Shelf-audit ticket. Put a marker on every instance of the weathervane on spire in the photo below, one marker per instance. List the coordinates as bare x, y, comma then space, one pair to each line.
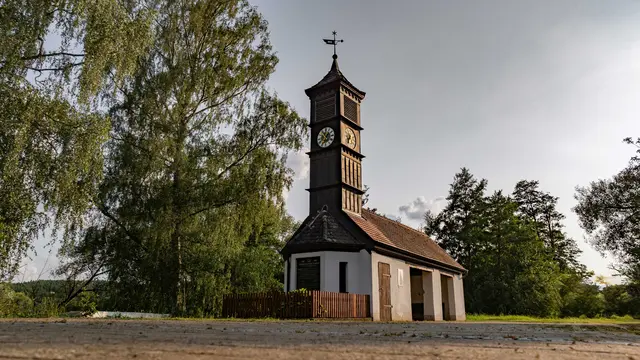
333, 42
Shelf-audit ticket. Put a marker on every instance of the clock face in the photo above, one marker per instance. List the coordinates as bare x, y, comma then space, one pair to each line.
325, 137
350, 138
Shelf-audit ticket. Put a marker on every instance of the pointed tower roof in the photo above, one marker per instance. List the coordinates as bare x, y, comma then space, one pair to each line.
335, 76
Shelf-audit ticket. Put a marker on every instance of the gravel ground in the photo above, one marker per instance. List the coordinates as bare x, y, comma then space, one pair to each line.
155, 339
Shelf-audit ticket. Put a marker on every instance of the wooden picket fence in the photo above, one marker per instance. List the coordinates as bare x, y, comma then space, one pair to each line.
297, 305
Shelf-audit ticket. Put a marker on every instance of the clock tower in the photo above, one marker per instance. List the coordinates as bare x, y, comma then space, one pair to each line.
335, 157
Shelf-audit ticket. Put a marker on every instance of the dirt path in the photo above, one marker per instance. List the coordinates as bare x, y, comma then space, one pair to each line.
153, 339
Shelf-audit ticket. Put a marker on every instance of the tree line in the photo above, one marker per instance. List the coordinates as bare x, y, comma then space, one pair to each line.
521, 261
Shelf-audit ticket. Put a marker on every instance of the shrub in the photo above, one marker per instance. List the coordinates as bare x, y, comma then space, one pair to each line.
47, 307
84, 302
14, 304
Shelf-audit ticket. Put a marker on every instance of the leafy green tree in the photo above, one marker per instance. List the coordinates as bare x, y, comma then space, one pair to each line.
622, 299
515, 275
457, 227
195, 164
509, 271
584, 300
609, 210
260, 267
14, 304
540, 209
51, 126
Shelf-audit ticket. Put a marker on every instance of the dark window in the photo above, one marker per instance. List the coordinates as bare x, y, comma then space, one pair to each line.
343, 277
308, 273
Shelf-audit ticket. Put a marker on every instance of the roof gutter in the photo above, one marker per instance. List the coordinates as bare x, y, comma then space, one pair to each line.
401, 254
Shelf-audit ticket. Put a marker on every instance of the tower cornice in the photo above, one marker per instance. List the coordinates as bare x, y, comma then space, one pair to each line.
333, 119
340, 184
343, 147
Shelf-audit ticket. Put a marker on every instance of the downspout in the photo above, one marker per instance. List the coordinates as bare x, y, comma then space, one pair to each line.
289, 274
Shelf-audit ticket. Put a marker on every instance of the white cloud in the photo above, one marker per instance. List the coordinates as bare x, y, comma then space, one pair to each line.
28, 272
299, 162
40, 263
416, 209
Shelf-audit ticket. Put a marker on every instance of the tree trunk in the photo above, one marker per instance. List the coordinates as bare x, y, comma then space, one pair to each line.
177, 286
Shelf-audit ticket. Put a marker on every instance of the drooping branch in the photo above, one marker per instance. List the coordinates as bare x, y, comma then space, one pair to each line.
207, 208
45, 55
55, 68
104, 211
75, 291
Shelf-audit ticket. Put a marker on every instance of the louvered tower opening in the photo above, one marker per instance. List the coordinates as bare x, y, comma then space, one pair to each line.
325, 108
350, 109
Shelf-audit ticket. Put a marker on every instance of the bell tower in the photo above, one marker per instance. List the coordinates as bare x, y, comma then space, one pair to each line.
335, 158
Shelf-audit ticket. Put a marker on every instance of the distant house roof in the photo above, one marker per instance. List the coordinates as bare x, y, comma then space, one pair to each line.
394, 234
322, 232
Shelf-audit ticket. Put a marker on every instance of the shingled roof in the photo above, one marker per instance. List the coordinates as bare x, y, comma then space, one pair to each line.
334, 75
322, 230
394, 234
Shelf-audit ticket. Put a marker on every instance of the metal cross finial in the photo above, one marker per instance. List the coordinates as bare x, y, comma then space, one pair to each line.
333, 42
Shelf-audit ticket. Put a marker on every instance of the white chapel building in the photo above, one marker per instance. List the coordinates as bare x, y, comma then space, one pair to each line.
343, 247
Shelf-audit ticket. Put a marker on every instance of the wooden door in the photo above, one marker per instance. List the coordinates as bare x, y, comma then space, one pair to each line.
384, 284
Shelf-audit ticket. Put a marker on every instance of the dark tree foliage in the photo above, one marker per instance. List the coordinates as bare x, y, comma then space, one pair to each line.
609, 210
518, 258
458, 227
365, 196
622, 299
539, 208
260, 267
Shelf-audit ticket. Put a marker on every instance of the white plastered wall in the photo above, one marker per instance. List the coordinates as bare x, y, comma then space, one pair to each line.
358, 270
401, 296
400, 293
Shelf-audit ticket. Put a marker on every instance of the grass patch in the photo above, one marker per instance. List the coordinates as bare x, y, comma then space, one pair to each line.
574, 320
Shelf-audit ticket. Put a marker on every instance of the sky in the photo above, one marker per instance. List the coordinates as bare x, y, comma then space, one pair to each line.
537, 90
512, 90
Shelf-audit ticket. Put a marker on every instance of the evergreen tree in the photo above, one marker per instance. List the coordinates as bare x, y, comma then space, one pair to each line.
509, 270
456, 227
539, 208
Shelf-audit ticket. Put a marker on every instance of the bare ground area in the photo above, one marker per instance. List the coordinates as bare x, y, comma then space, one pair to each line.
154, 339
